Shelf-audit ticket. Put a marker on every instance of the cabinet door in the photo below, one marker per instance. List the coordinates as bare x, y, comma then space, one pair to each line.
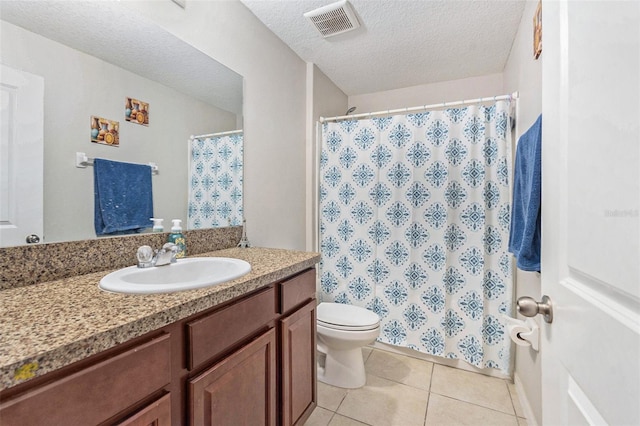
298, 342
240, 389
157, 413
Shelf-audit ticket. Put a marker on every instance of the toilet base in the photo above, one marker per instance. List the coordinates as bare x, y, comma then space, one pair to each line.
343, 368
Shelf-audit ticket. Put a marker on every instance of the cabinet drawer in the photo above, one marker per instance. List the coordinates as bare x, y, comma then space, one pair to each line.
297, 290
158, 413
213, 333
95, 393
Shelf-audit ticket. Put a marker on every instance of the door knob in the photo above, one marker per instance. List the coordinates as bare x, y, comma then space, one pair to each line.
528, 307
32, 239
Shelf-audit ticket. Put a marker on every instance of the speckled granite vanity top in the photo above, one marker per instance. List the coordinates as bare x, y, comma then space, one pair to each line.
47, 326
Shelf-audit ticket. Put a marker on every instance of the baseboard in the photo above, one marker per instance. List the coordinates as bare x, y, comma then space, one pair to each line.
524, 401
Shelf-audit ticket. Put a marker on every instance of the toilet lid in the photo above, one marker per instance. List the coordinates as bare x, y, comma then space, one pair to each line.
342, 316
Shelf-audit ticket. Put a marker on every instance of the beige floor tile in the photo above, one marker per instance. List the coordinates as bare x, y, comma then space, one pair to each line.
339, 420
515, 399
451, 412
522, 421
400, 368
386, 403
330, 397
471, 387
319, 417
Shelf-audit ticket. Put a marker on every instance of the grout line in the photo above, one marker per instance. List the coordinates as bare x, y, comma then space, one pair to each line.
401, 383
331, 418
513, 405
433, 368
426, 411
356, 420
342, 400
473, 403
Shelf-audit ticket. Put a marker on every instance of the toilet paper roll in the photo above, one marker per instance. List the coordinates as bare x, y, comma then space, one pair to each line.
515, 330
523, 333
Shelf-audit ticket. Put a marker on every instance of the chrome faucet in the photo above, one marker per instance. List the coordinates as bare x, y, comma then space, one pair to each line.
147, 257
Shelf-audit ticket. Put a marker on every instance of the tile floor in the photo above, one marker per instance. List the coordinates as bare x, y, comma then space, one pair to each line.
405, 391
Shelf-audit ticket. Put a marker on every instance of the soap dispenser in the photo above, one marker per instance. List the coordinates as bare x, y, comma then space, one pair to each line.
177, 238
157, 224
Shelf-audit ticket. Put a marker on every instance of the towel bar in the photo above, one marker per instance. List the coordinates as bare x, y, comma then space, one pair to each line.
82, 161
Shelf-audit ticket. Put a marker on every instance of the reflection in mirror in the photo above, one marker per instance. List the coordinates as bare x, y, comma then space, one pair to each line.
91, 71
215, 180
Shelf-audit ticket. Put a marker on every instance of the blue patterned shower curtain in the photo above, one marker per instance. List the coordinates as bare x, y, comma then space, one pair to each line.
215, 181
414, 223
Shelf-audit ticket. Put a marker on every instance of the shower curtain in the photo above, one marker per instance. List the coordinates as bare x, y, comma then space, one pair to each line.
414, 222
215, 181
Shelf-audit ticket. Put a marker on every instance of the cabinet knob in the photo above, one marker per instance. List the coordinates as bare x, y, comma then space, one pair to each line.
32, 239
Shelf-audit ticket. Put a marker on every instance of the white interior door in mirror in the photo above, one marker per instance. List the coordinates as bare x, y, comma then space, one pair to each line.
21, 154
590, 219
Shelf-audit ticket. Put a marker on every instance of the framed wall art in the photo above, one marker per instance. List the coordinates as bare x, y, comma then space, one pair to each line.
537, 31
104, 131
136, 111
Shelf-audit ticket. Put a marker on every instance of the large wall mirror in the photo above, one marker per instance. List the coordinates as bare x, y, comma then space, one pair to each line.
92, 57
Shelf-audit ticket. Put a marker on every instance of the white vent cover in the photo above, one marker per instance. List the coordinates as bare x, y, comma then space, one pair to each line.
335, 18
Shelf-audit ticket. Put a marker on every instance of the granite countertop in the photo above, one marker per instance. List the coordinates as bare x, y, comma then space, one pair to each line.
49, 325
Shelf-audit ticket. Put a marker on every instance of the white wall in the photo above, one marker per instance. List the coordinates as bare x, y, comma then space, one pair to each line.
426, 94
274, 109
324, 99
78, 86
524, 74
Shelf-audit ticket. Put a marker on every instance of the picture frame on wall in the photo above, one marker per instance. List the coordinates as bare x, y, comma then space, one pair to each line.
105, 131
537, 31
136, 111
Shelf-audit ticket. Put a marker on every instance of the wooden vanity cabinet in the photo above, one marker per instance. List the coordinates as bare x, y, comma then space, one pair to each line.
270, 380
298, 389
297, 333
95, 393
250, 361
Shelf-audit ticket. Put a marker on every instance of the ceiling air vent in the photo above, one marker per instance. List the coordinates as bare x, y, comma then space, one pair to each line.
335, 18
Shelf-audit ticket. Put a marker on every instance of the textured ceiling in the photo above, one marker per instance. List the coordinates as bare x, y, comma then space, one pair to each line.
130, 42
400, 43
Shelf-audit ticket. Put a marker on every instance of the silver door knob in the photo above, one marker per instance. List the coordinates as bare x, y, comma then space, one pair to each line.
528, 307
32, 239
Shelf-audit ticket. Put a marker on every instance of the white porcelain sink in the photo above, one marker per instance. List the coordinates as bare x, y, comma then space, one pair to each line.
185, 274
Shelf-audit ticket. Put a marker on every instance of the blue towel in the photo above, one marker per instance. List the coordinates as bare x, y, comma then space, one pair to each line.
123, 197
524, 238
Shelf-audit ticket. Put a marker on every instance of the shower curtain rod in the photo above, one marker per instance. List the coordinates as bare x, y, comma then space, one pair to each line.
231, 132
514, 95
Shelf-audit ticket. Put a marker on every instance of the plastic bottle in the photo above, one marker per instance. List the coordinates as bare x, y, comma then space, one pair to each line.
177, 238
157, 225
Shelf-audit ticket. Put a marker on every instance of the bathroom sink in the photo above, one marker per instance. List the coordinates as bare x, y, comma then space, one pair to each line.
185, 274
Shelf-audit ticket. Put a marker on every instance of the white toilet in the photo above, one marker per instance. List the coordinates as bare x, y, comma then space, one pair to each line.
342, 332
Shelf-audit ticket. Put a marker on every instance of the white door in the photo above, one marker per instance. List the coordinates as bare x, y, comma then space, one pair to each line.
21, 154
591, 202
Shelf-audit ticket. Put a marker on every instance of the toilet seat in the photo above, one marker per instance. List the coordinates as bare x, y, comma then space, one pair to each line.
339, 316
